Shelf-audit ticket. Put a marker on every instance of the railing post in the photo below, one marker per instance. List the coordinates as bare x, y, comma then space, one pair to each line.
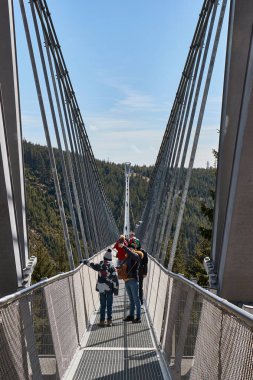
28, 329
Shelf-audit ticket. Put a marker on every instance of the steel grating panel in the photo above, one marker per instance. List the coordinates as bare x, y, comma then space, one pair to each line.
119, 365
101, 365
114, 336
143, 365
107, 337
123, 351
120, 334
138, 335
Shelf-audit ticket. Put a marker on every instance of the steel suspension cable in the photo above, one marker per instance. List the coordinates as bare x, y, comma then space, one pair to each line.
71, 95
197, 38
178, 178
79, 166
47, 134
179, 111
198, 35
196, 137
69, 161
62, 159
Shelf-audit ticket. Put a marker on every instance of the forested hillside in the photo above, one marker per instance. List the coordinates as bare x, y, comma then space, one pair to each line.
45, 231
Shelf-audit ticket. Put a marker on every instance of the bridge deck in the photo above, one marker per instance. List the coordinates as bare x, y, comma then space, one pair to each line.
123, 351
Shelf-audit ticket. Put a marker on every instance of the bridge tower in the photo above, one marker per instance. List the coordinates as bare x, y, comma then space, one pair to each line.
13, 231
127, 218
233, 228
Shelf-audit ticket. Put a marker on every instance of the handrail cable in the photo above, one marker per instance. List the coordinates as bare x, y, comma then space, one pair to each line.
223, 303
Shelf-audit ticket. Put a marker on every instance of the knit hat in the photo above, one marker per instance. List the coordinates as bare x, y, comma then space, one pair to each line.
108, 255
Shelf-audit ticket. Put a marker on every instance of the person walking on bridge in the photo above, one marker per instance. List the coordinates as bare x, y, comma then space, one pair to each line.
120, 251
132, 262
135, 243
107, 285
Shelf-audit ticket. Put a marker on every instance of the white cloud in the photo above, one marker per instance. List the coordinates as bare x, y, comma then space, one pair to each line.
136, 101
133, 100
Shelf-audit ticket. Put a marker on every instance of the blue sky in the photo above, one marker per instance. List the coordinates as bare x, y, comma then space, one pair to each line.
125, 60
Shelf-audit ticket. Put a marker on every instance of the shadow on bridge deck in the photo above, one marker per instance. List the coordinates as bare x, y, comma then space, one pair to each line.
123, 351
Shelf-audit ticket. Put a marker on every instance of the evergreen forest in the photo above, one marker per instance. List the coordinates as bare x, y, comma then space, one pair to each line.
44, 225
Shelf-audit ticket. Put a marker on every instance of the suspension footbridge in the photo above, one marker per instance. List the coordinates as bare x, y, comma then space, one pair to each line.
49, 330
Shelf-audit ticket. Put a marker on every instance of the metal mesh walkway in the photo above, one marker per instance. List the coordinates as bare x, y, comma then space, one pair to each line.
123, 351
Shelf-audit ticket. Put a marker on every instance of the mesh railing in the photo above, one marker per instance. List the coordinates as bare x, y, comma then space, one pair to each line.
42, 327
202, 336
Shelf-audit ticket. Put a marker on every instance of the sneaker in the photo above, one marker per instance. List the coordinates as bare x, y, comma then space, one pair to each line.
109, 322
102, 323
136, 320
128, 319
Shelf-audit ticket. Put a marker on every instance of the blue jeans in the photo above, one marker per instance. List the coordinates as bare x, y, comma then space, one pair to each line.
132, 288
106, 300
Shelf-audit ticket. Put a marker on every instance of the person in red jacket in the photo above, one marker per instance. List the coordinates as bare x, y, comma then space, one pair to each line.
120, 251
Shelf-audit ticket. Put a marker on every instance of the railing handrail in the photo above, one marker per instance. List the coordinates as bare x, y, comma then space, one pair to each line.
218, 301
4, 301
213, 298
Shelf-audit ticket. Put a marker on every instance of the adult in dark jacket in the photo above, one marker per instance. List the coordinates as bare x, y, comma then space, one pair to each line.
136, 244
132, 262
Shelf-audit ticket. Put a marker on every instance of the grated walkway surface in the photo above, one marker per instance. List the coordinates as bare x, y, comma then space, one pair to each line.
123, 351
